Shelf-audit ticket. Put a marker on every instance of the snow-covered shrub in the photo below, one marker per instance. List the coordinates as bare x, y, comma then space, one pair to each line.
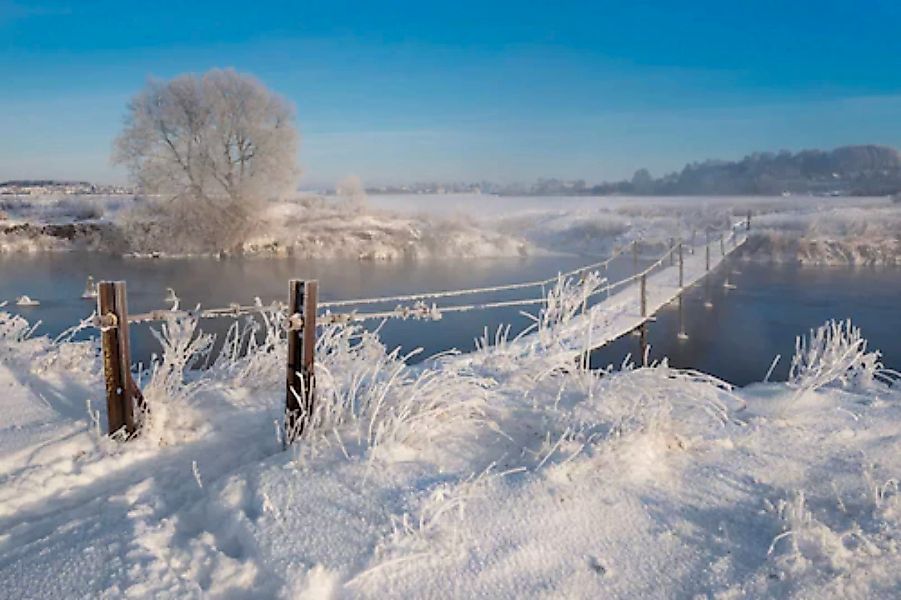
835, 353
169, 415
14, 330
370, 399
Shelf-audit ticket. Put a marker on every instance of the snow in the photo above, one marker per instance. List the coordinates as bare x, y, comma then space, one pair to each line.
813, 230
818, 230
505, 472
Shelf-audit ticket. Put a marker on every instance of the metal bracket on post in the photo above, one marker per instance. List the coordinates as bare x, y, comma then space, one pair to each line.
122, 393
300, 390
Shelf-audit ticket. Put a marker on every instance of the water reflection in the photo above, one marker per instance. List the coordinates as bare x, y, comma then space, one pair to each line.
735, 339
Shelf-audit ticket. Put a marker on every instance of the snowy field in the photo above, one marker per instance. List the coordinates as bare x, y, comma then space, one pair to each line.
813, 230
508, 472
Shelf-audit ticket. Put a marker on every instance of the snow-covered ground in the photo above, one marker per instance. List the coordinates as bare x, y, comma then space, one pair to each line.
308, 226
796, 228
818, 230
508, 472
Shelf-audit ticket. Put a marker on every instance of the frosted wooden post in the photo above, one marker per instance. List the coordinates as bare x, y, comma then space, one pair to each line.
643, 343
301, 377
644, 295
122, 394
635, 257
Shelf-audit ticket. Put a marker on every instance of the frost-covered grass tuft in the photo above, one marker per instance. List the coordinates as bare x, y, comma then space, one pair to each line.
835, 354
369, 402
254, 349
171, 388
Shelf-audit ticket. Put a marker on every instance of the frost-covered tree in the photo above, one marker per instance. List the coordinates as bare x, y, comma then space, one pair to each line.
208, 151
351, 188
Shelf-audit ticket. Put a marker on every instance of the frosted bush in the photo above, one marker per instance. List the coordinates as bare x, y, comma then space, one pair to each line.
835, 353
369, 399
565, 301
169, 416
13, 328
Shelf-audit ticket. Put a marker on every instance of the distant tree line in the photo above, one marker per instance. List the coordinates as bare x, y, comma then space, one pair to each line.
855, 170
848, 170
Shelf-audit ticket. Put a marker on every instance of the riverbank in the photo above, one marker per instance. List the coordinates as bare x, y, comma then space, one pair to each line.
498, 473
809, 230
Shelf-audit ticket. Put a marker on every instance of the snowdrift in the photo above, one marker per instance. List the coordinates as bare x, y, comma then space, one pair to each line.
501, 473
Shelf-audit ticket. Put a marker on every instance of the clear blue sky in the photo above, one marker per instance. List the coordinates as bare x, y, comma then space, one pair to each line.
507, 91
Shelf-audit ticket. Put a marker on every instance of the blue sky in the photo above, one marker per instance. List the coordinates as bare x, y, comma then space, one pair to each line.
507, 91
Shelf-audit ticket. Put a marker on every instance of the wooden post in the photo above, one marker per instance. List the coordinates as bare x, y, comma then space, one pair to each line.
722, 246
681, 270
644, 296
122, 394
691, 247
672, 246
643, 343
748, 222
635, 257
301, 377
681, 335
708, 255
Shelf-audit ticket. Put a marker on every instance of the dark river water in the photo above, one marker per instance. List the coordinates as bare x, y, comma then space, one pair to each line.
736, 339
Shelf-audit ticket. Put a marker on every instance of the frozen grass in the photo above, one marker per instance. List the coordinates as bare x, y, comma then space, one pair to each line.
511, 471
836, 353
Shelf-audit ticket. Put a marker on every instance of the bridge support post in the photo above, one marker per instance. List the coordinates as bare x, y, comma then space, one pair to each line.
643, 343
301, 377
644, 296
635, 257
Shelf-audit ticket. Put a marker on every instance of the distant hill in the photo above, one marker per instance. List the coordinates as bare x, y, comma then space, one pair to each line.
851, 170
